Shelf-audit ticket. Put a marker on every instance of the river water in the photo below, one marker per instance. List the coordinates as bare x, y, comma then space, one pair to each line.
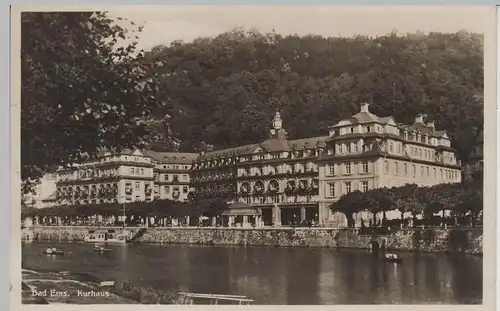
279, 276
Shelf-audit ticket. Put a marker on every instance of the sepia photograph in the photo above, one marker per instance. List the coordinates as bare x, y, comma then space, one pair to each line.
254, 155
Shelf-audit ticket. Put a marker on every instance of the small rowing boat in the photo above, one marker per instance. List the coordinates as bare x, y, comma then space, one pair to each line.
54, 252
101, 248
391, 257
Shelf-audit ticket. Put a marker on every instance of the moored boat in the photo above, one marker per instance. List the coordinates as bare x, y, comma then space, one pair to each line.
53, 251
106, 236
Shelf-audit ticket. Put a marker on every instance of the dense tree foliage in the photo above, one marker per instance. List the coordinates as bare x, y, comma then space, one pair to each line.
82, 89
463, 200
224, 90
160, 208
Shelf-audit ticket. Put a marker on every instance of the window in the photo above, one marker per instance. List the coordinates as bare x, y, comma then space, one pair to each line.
348, 187
364, 186
137, 185
427, 169
175, 178
421, 171
275, 155
184, 177
355, 148
184, 189
167, 189
390, 147
352, 129
365, 166
348, 168
441, 172
332, 169
132, 171
142, 171
396, 168
155, 176
386, 167
331, 190
368, 129
406, 169
414, 170
157, 189
348, 146
165, 177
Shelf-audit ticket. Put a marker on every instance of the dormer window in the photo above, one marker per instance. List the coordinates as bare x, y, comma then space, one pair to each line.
352, 129
368, 129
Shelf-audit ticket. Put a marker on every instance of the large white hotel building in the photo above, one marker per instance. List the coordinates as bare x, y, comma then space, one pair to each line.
284, 179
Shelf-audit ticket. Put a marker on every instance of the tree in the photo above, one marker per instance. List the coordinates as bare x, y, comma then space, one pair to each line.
350, 204
82, 90
404, 198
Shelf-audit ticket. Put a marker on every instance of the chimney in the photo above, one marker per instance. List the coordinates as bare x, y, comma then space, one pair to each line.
419, 119
430, 125
364, 107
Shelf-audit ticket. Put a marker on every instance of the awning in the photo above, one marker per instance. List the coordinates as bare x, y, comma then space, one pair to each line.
242, 212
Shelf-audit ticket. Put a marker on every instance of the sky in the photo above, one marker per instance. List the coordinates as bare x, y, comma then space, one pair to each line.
164, 24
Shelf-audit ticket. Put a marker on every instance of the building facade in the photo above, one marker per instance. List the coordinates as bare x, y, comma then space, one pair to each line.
296, 180
277, 176
366, 152
128, 176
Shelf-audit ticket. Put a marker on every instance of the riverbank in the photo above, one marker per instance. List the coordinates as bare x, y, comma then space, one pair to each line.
73, 288
454, 240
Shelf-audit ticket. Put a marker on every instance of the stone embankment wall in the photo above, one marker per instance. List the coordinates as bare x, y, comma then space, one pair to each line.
426, 240
58, 233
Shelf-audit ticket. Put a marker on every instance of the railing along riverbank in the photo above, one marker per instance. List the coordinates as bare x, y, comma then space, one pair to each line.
455, 240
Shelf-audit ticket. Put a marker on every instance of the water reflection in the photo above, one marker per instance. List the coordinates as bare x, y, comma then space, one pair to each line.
278, 275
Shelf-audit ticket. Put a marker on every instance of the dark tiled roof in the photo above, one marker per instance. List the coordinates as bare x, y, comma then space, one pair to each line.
236, 205
171, 157
270, 145
311, 142
275, 145
366, 117
229, 151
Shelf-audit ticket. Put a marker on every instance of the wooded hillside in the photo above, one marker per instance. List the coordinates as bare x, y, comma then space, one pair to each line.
224, 90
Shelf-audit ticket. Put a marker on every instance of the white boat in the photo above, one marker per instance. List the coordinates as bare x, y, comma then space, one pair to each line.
106, 236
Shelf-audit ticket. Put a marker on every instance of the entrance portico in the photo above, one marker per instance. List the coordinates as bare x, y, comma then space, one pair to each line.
242, 215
